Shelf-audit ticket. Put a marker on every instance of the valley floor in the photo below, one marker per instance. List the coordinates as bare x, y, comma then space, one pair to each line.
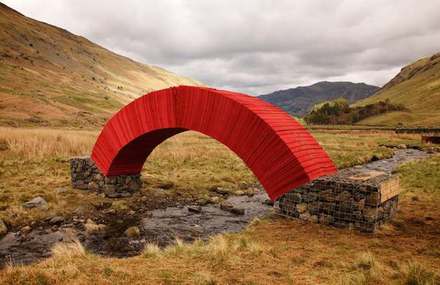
273, 250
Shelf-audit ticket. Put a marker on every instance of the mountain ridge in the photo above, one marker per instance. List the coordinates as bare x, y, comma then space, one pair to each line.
300, 100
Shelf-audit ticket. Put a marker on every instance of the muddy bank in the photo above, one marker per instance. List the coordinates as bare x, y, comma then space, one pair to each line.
157, 222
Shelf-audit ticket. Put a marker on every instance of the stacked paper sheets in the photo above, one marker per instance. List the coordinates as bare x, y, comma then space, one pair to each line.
281, 152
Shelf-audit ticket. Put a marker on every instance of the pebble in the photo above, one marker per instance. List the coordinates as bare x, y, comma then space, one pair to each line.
231, 208
25, 230
220, 190
92, 228
132, 232
194, 209
37, 202
56, 220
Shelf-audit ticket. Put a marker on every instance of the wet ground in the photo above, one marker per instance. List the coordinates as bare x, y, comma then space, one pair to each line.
161, 226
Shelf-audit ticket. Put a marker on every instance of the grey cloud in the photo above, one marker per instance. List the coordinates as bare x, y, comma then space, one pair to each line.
256, 46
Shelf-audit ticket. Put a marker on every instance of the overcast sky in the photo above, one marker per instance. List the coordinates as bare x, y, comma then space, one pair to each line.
256, 46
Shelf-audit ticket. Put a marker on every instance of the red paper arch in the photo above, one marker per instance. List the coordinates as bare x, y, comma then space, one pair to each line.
280, 152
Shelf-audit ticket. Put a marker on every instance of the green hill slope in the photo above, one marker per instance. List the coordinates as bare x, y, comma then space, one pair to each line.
417, 87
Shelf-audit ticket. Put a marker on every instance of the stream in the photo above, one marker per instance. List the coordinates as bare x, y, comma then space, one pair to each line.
160, 226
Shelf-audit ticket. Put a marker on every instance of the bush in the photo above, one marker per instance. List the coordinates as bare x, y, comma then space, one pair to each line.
339, 112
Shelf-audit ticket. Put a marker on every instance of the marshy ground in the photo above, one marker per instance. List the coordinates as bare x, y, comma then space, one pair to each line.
187, 170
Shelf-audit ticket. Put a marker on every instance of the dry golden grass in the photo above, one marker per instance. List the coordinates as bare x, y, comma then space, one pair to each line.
34, 162
41, 143
271, 251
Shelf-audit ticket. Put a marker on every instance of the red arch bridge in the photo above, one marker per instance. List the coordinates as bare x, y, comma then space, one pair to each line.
280, 152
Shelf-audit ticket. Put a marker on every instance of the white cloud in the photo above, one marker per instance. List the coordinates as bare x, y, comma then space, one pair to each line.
256, 46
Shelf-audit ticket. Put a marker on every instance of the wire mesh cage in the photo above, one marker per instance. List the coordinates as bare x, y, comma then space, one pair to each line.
355, 199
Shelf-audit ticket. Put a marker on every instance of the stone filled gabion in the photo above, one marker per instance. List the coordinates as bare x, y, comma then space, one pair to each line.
355, 199
85, 175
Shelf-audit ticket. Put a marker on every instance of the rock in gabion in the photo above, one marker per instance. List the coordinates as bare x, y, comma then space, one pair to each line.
355, 198
85, 175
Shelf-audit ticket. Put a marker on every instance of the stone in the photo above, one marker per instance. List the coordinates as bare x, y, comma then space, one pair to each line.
133, 232
202, 201
305, 216
3, 228
85, 175
360, 204
144, 199
238, 211
301, 208
194, 209
313, 219
310, 197
232, 209
220, 190
370, 214
214, 200
372, 199
268, 202
226, 206
325, 219
343, 196
134, 186
239, 193
327, 195
56, 220
37, 202
92, 185
25, 230
93, 228
401, 146
314, 208
296, 197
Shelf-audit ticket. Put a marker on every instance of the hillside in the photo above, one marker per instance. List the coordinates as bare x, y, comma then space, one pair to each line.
417, 87
49, 76
298, 101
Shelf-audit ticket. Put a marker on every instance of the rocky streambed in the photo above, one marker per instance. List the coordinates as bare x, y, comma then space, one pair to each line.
125, 234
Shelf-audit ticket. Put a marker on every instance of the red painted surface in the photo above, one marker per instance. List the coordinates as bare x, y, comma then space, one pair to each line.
280, 152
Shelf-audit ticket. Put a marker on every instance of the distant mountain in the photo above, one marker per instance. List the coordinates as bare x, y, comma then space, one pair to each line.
49, 76
300, 100
417, 87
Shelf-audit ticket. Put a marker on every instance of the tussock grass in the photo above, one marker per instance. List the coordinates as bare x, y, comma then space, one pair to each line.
367, 270
42, 143
416, 274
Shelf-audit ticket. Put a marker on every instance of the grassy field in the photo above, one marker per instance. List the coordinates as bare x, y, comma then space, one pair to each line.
271, 251
34, 162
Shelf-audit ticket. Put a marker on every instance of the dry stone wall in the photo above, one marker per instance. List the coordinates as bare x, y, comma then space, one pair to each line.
85, 175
